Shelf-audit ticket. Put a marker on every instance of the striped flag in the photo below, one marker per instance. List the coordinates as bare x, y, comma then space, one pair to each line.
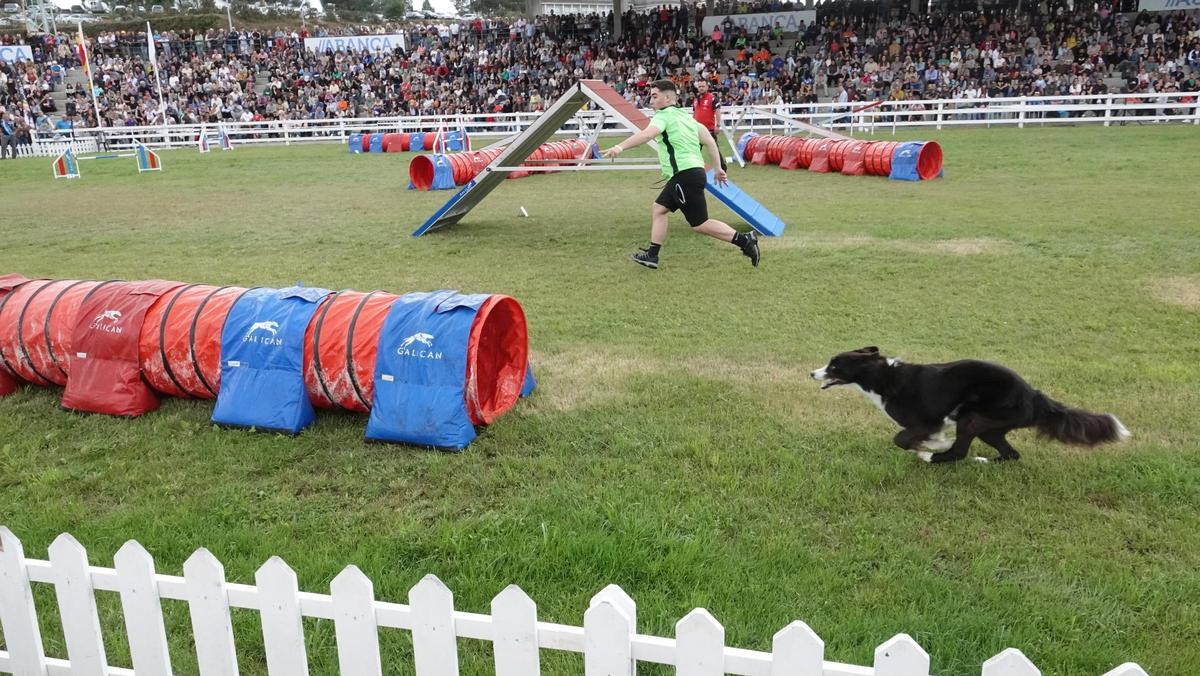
150, 48
81, 47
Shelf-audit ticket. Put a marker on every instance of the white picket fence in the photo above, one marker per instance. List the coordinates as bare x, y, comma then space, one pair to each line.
79, 146
608, 638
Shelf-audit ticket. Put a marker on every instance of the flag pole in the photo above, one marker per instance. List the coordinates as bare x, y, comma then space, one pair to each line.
153, 53
87, 69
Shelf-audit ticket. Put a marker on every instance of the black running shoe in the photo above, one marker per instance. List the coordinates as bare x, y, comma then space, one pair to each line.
643, 257
750, 247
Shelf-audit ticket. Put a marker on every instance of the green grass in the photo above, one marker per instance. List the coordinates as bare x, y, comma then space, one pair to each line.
675, 446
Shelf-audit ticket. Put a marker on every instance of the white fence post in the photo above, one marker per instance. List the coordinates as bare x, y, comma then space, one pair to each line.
795, 650
515, 641
354, 623
208, 603
435, 647
18, 616
1127, 669
699, 645
142, 609
282, 626
1021, 114
608, 635
77, 607
1011, 662
901, 656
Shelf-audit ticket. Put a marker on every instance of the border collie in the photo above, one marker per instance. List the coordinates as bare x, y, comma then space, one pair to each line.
977, 399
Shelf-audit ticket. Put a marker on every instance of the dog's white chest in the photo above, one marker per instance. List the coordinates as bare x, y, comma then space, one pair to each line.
875, 399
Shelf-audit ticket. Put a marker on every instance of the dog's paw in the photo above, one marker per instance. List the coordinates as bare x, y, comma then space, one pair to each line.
982, 460
937, 443
924, 455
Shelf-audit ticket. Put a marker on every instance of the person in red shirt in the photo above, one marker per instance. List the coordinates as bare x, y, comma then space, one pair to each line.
706, 111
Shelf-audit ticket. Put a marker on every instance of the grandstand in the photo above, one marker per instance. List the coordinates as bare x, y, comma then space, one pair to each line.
519, 65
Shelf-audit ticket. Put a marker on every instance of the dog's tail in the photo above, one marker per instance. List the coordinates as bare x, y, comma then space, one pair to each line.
1074, 426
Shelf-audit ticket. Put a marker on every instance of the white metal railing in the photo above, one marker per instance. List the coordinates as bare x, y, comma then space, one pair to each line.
891, 116
608, 638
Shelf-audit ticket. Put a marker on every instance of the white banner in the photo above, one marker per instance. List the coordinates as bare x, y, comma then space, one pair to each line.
1165, 5
10, 53
355, 43
789, 20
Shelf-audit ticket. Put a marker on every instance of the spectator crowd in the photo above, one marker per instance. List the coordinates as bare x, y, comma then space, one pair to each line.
851, 52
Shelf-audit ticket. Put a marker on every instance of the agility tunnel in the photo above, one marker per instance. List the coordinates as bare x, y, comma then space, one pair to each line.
898, 160
428, 368
399, 142
449, 170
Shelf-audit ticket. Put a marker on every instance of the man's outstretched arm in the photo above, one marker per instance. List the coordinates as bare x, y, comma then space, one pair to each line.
643, 136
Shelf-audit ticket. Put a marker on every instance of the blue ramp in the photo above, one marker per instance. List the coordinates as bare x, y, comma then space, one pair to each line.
758, 216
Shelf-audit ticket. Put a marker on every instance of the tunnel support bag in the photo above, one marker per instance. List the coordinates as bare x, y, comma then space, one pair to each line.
262, 360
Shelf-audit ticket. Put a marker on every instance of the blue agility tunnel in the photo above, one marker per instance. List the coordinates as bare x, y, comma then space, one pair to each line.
434, 349
262, 360
355, 144
916, 161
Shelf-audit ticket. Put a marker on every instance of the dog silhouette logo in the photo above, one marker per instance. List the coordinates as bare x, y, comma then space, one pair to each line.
109, 315
425, 339
268, 326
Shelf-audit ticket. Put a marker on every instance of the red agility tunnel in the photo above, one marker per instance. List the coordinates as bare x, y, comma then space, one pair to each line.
850, 157
116, 346
395, 143
423, 170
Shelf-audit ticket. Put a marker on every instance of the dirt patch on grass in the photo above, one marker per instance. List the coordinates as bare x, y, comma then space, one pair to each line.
577, 379
764, 374
1183, 291
957, 246
962, 247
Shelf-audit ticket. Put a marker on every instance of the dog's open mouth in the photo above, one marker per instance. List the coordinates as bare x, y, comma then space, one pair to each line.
832, 382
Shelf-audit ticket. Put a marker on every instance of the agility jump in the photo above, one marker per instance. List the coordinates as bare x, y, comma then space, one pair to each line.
66, 165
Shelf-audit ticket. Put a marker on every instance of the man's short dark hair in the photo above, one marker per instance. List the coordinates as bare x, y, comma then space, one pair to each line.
664, 86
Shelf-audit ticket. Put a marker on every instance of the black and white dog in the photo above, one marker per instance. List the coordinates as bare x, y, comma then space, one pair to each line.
977, 399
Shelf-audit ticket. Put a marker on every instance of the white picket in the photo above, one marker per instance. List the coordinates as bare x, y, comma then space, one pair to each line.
142, 608
77, 607
796, 650
354, 623
435, 647
699, 645
607, 641
901, 656
282, 626
18, 616
1127, 669
208, 604
617, 596
1011, 662
515, 643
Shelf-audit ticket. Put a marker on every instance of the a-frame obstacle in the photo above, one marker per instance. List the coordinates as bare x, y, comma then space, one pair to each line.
547, 124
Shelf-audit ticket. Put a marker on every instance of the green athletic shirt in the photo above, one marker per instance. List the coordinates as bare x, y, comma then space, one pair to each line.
679, 143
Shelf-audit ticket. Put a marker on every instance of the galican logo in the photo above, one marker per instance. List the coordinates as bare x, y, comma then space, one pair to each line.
107, 321
266, 327
426, 339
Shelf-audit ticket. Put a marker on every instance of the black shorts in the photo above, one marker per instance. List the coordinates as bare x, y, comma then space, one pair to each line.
685, 192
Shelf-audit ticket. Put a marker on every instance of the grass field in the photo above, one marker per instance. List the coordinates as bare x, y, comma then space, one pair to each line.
675, 446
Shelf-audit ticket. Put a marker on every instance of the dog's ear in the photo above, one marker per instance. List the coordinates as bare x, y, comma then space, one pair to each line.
868, 350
